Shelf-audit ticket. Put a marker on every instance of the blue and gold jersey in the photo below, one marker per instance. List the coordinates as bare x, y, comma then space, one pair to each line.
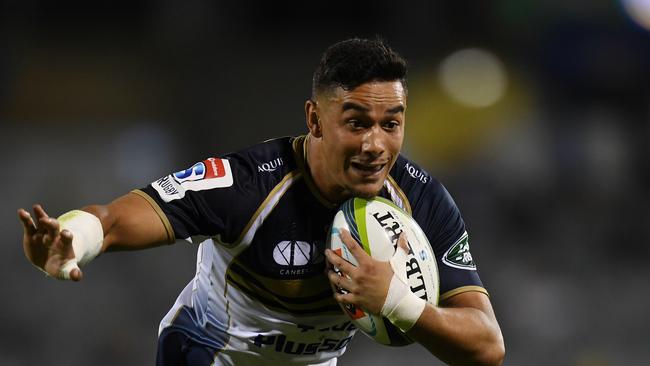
260, 294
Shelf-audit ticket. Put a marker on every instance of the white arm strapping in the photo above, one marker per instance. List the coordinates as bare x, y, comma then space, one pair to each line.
402, 307
87, 238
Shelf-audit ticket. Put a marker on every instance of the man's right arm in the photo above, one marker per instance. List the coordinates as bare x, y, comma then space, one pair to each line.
128, 223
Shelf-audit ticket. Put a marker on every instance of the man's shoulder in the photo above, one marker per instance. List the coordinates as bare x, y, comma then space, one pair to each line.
267, 150
266, 162
411, 176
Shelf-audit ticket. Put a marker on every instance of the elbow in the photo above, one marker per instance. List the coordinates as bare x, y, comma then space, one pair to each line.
494, 354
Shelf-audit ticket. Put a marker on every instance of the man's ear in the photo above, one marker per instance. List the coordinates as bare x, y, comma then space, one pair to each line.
313, 121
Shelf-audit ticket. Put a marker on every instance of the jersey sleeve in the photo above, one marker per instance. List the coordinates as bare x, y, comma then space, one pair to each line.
439, 217
450, 241
214, 197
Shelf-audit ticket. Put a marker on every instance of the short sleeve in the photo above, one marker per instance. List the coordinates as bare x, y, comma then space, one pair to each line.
213, 197
437, 214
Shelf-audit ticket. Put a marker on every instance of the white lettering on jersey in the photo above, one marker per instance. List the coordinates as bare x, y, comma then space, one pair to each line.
416, 173
270, 166
207, 174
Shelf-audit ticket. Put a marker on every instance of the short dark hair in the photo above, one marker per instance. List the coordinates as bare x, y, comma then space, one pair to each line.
350, 63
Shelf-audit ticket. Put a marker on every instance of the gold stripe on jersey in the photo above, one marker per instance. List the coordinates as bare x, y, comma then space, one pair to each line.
317, 303
228, 335
306, 288
306, 296
265, 208
460, 290
168, 226
396, 194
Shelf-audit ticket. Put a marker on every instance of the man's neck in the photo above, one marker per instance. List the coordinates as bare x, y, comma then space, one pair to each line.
315, 164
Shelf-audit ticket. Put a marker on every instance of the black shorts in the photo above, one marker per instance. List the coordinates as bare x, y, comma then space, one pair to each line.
175, 348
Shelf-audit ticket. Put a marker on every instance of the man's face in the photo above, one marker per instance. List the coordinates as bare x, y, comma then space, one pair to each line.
362, 134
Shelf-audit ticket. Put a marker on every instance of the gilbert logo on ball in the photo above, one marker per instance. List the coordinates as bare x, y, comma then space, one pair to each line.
376, 225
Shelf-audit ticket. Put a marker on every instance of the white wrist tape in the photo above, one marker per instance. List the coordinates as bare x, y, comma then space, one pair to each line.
402, 307
87, 238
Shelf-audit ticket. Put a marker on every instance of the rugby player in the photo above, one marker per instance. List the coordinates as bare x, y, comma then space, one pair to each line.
260, 216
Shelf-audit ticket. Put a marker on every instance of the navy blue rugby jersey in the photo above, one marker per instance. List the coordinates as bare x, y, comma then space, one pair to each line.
260, 284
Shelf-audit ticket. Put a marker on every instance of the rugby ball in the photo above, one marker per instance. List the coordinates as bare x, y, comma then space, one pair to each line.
376, 224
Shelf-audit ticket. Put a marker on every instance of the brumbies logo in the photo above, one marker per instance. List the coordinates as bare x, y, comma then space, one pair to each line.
295, 256
207, 174
458, 256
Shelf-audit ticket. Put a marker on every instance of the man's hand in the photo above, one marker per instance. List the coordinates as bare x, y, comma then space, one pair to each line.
45, 245
367, 284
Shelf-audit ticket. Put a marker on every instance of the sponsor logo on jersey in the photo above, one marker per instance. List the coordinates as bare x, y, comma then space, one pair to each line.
416, 173
309, 341
207, 174
458, 255
296, 256
270, 166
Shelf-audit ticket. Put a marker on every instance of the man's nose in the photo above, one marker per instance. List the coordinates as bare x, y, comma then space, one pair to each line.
373, 141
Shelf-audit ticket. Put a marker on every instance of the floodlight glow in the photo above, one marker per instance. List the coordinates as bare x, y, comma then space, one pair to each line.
639, 11
473, 77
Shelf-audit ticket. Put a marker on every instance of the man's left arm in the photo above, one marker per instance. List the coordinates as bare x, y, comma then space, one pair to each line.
463, 330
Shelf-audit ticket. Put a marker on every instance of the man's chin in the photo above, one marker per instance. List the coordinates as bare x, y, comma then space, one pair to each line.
366, 192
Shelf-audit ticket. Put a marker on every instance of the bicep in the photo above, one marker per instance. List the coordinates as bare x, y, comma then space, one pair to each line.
471, 299
130, 222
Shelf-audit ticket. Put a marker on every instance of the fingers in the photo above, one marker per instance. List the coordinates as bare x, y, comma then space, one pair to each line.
403, 242
344, 288
69, 271
398, 260
50, 227
346, 298
76, 275
340, 263
49, 224
66, 238
340, 281
27, 221
39, 211
354, 247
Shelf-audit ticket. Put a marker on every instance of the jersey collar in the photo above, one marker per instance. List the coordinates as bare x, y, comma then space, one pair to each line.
300, 154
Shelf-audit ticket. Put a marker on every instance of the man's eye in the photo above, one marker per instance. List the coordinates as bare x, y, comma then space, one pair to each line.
355, 123
391, 125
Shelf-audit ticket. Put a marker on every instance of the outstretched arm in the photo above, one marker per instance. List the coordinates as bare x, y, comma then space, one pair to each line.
463, 330
128, 223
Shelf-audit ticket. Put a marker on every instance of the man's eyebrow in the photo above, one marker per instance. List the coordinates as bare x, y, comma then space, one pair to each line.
395, 110
357, 107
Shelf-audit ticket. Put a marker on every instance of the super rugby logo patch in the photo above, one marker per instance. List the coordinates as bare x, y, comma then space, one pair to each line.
458, 255
207, 174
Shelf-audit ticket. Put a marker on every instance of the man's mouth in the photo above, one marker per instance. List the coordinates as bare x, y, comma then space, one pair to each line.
368, 169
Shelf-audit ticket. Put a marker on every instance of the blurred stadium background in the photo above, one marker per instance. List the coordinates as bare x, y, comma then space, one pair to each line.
535, 114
